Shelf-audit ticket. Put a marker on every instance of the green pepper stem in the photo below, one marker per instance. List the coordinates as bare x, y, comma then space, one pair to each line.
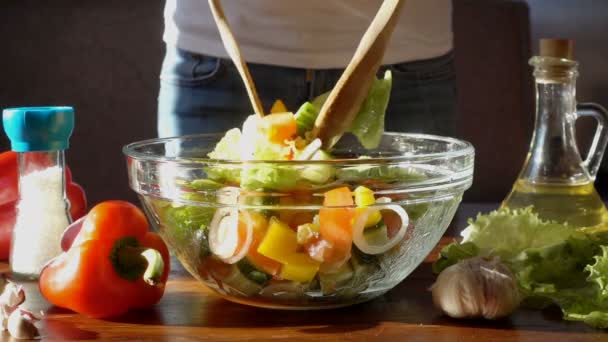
155, 268
140, 260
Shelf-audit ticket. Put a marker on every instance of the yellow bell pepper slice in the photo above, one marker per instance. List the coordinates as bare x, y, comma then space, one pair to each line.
279, 127
279, 243
299, 267
278, 107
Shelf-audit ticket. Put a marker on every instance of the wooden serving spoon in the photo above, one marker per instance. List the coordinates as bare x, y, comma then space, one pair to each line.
232, 47
345, 99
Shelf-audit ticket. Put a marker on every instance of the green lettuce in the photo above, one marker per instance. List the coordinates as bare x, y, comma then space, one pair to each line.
598, 272
189, 224
390, 173
588, 304
227, 148
453, 253
269, 177
506, 233
368, 125
546, 270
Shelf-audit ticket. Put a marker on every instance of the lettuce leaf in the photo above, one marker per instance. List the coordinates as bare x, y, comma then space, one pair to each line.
588, 304
368, 125
453, 253
390, 173
506, 233
598, 272
547, 270
269, 177
226, 148
588, 312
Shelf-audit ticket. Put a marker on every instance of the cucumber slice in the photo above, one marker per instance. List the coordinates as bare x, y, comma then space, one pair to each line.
364, 267
305, 117
319, 174
362, 262
199, 184
333, 282
376, 235
252, 273
239, 282
415, 211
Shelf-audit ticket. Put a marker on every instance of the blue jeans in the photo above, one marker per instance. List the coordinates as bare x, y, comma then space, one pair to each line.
203, 94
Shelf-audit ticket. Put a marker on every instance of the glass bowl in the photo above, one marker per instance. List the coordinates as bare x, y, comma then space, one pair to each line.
302, 234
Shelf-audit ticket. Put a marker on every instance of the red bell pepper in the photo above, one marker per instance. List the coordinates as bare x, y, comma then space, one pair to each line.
113, 265
9, 195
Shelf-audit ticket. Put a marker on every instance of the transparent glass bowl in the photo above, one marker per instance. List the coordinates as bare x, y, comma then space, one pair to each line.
185, 195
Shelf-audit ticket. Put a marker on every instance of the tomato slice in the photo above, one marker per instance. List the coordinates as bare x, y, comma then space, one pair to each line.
335, 224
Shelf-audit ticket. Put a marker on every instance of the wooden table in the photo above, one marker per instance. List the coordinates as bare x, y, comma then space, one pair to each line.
189, 312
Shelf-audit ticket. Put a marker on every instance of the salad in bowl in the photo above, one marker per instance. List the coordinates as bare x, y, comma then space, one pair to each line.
264, 215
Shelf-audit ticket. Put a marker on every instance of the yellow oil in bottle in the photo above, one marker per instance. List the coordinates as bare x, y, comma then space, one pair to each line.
578, 204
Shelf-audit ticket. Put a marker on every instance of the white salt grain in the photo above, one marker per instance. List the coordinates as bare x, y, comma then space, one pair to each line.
41, 220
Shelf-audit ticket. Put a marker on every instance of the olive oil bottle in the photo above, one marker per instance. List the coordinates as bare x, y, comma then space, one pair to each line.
555, 180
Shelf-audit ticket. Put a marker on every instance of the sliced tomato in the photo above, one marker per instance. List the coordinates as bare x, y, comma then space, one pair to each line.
335, 224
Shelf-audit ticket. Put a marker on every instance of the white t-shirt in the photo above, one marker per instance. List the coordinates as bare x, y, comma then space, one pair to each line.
308, 33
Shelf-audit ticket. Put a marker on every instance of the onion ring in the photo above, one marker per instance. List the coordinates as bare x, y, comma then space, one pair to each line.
359, 226
224, 237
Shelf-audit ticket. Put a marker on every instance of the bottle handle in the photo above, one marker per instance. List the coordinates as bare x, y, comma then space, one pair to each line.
600, 139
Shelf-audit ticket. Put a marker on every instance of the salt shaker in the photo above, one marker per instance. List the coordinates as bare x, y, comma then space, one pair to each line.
40, 135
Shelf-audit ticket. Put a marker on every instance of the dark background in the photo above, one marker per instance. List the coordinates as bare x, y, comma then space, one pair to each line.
103, 58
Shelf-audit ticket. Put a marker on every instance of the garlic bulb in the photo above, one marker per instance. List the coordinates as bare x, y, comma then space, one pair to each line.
476, 287
21, 325
12, 296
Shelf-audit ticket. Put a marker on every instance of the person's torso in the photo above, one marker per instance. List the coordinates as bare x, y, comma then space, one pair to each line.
311, 33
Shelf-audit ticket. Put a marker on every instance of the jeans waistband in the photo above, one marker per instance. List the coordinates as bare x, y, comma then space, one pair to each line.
413, 66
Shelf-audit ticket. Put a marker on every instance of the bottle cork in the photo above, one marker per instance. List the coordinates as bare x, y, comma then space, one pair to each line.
557, 47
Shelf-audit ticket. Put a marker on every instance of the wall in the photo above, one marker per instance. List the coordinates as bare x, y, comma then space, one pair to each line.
585, 21
102, 57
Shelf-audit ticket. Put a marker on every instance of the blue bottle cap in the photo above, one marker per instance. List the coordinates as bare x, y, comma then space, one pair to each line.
38, 128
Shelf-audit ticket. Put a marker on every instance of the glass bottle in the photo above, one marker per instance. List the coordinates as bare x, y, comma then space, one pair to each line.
554, 178
39, 135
